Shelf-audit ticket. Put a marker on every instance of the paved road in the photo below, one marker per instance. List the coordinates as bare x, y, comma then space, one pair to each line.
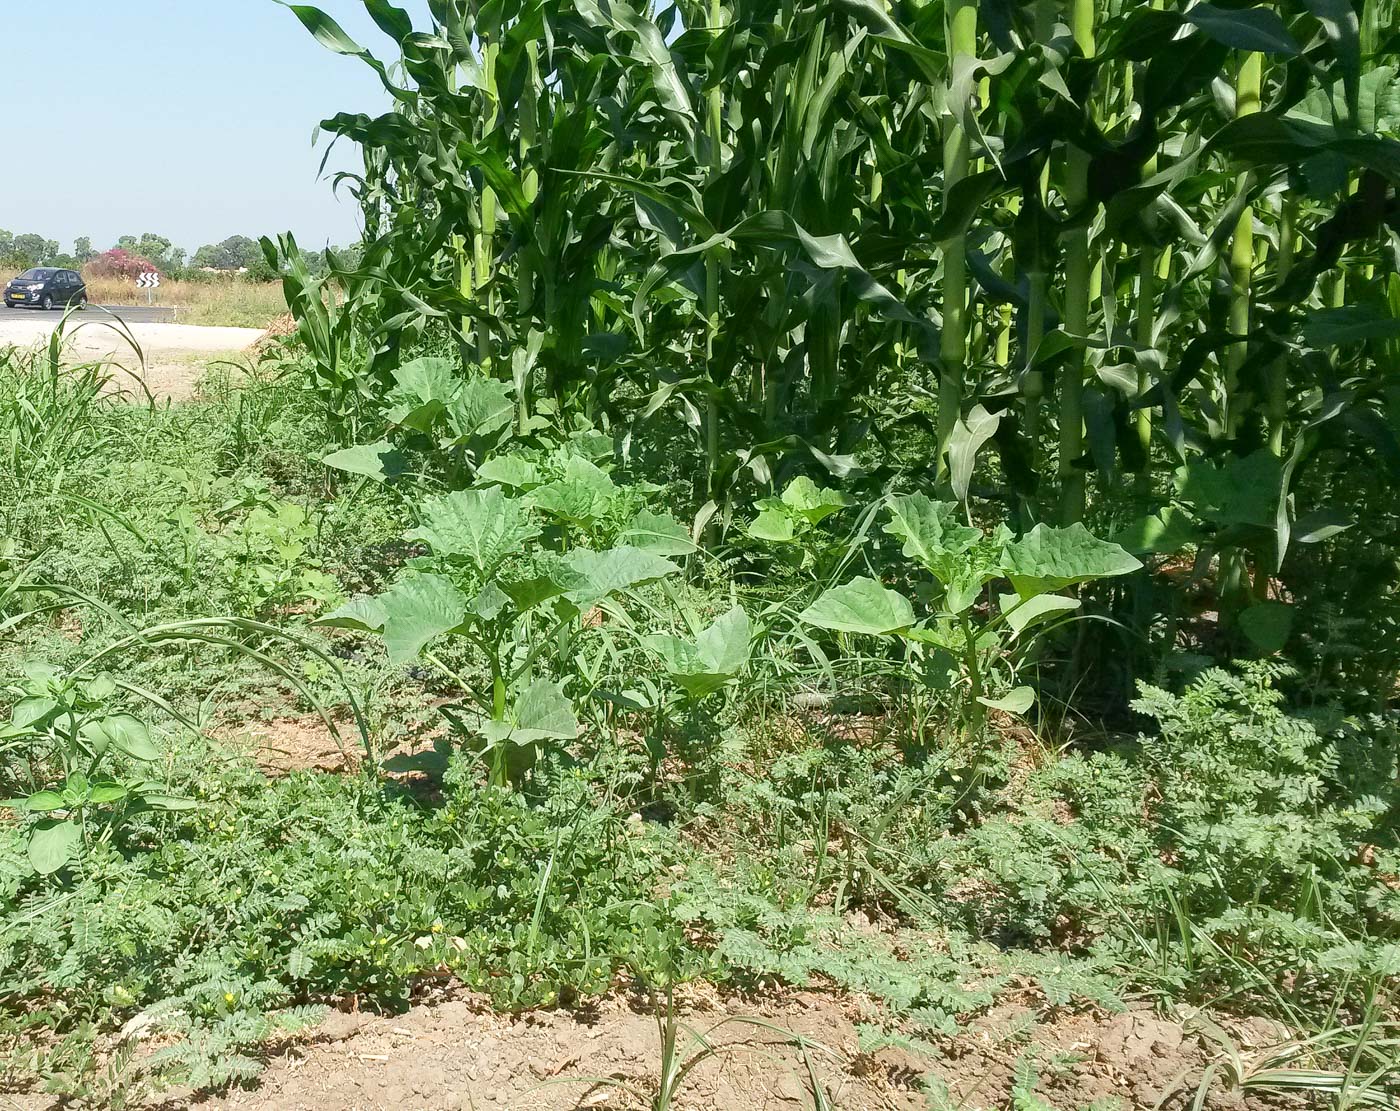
132, 314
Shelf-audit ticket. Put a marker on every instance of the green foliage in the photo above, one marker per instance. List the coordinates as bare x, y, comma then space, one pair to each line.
80, 759
963, 561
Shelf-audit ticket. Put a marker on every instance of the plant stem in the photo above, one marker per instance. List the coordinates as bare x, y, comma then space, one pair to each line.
962, 48
1078, 281
1247, 90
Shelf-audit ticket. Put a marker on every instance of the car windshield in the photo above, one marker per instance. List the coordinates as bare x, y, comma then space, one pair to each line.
39, 274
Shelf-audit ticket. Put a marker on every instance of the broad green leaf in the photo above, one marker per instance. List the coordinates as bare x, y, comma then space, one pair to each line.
40, 802
860, 606
1167, 530
538, 713
658, 533
125, 733
1017, 702
381, 462
365, 614
1051, 559
593, 576
1238, 491
1267, 625
774, 523
418, 608
482, 407
932, 533
1021, 615
481, 527
53, 842
509, 470
804, 498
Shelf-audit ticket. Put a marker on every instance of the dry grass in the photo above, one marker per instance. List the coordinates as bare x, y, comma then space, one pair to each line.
229, 301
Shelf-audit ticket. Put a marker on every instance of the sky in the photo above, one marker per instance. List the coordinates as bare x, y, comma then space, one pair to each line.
192, 119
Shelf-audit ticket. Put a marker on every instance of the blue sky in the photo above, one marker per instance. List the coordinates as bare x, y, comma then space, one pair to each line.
189, 118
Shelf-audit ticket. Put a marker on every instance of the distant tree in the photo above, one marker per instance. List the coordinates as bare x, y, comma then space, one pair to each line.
82, 250
156, 248
32, 250
237, 252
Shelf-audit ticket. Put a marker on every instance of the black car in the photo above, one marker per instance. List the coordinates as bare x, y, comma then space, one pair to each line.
44, 287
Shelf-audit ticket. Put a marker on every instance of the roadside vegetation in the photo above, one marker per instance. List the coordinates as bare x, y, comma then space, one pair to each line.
890, 501
221, 301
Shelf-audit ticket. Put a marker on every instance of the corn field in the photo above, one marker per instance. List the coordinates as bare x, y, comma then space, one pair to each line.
1135, 265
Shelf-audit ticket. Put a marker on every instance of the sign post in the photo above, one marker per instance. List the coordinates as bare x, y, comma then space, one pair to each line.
148, 280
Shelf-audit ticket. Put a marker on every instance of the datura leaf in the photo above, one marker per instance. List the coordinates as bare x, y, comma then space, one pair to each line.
657, 533
773, 523
482, 407
381, 462
418, 608
1051, 559
860, 606
1018, 701
364, 614
480, 527
812, 503
1267, 625
541, 712
592, 576
1239, 491
509, 470
717, 656
932, 533
1023, 614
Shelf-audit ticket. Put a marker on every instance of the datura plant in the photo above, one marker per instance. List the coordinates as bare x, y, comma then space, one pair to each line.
518, 605
976, 641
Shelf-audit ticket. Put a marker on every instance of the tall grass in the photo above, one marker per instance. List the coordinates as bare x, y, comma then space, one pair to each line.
231, 302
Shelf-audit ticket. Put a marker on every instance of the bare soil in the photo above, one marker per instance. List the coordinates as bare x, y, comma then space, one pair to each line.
459, 1054
171, 360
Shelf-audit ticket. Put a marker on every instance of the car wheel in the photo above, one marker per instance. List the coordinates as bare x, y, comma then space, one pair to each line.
47, 302
80, 300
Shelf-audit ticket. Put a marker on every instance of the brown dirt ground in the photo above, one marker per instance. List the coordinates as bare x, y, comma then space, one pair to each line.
458, 1054
455, 1052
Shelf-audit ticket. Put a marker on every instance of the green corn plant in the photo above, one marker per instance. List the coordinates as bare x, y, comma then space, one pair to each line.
834, 239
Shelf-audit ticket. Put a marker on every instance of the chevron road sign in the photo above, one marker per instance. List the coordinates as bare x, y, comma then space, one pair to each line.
148, 280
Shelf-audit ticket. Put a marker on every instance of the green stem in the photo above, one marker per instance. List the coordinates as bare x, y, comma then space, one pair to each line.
1247, 91
1079, 277
1277, 400
962, 46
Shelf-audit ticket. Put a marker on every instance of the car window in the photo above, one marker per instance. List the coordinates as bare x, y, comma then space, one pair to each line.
38, 274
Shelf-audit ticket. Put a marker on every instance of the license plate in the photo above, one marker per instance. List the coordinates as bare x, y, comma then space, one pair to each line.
16, 296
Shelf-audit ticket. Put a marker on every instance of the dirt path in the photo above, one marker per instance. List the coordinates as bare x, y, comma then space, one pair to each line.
458, 1054
170, 360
